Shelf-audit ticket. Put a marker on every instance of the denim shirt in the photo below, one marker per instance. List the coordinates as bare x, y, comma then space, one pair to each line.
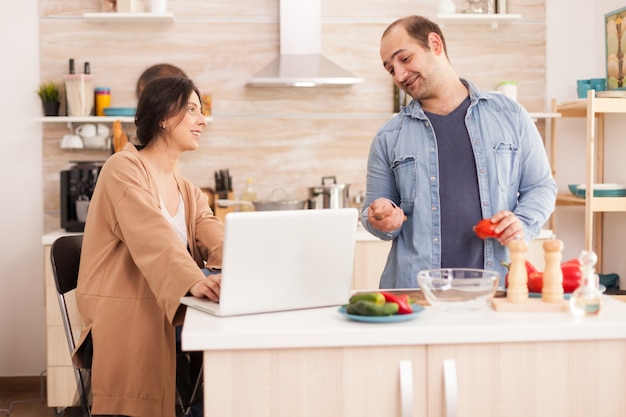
513, 174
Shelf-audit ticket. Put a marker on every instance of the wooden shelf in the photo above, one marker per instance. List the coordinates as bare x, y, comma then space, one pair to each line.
85, 119
92, 119
492, 19
139, 17
569, 200
593, 109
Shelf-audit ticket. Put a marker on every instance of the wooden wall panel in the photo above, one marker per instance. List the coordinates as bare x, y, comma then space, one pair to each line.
281, 137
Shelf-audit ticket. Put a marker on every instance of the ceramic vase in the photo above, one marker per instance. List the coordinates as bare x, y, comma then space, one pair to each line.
446, 7
158, 6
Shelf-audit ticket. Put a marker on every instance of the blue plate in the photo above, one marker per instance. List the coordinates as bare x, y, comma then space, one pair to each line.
383, 319
119, 111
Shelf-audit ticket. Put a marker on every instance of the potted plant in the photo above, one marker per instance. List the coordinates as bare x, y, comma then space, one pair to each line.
49, 95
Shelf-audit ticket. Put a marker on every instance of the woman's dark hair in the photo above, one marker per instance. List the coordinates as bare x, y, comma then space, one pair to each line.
161, 99
419, 27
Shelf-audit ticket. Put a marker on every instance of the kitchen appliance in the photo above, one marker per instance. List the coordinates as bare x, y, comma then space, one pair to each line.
300, 62
331, 195
77, 185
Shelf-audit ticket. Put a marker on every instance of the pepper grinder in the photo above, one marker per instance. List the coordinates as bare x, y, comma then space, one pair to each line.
586, 300
517, 291
552, 291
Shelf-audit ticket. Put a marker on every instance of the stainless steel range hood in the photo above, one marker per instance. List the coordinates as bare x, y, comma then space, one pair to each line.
300, 63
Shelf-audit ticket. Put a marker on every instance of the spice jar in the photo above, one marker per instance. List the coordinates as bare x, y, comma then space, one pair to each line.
103, 99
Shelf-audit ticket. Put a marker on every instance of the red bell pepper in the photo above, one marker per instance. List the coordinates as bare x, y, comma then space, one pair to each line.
530, 268
572, 276
404, 304
485, 229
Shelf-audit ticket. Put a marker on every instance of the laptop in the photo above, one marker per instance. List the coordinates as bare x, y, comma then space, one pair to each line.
284, 260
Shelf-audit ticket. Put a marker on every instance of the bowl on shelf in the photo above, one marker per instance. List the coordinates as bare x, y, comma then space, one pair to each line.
119, 111
603, 190
458, 288
573, 188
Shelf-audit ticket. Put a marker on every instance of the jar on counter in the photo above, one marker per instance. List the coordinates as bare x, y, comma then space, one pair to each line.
103, 99
508, 88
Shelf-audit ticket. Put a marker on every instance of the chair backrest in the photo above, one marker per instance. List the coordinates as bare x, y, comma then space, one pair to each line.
65, 258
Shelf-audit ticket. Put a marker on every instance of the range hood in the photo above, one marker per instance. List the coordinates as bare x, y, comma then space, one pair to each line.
300, 62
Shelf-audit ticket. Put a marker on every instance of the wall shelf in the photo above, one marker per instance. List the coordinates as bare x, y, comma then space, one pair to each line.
492, 19
138, 17
92, 119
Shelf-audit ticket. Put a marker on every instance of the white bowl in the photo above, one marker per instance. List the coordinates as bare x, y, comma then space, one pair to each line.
95, 142
458, 288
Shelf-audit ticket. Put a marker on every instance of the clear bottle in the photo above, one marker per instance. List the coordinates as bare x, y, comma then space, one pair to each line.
586, 300
248, 194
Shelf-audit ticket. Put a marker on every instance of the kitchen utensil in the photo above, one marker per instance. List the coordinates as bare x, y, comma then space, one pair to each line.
82, 205
273, 203
265, 205
158, 6
71, 141
331, 195
119, 111
86, 130
603, 190
458, 288
80, 94
157, 71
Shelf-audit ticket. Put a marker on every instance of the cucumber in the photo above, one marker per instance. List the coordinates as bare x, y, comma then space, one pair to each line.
374, 297
370, 308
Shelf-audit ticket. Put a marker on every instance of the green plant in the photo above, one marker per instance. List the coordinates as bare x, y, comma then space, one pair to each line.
48, 92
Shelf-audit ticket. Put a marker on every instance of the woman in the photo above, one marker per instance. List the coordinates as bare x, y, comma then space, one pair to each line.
148, 233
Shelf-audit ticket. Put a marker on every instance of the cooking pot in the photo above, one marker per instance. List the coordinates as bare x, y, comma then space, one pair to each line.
329, 195
271, 204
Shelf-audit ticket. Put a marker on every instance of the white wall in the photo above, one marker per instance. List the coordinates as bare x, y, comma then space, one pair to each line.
22, 330
576, 49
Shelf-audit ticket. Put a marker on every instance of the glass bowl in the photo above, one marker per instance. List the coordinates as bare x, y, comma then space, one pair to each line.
458, 288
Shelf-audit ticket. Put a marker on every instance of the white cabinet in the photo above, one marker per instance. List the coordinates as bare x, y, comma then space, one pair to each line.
324, 382
546, 379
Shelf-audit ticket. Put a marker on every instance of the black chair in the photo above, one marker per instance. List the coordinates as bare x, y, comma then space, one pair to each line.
65, 258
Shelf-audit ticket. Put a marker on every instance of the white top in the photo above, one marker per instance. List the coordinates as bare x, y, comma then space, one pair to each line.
177, 220
326, 327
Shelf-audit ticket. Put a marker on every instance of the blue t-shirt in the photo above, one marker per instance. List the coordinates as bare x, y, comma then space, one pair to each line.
458, 190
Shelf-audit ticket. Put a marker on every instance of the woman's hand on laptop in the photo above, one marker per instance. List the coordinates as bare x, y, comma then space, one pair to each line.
208, 287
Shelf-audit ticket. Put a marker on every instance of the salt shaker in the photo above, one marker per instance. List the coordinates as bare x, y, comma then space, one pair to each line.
586, 300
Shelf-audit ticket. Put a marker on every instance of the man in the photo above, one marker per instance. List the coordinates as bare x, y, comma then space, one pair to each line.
452, 156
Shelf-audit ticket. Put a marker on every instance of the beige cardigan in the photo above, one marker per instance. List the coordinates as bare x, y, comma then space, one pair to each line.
133, 272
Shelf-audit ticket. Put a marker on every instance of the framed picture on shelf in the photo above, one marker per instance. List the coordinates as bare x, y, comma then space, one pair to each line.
615, 27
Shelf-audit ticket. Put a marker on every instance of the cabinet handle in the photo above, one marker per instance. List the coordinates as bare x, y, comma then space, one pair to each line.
450, 387
406, 389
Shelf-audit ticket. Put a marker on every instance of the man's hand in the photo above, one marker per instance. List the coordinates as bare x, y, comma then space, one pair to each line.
385, 216
508, 226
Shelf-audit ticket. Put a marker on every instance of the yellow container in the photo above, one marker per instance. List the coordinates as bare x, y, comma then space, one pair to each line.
103, 100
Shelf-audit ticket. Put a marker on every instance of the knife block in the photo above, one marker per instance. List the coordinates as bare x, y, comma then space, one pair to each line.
219, 211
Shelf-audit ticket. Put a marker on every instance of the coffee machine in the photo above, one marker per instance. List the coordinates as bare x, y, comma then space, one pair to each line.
77, 185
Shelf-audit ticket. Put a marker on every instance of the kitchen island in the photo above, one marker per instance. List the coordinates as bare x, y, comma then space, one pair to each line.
482, 363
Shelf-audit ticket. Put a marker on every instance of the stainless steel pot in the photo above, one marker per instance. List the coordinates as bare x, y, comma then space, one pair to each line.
329, 195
